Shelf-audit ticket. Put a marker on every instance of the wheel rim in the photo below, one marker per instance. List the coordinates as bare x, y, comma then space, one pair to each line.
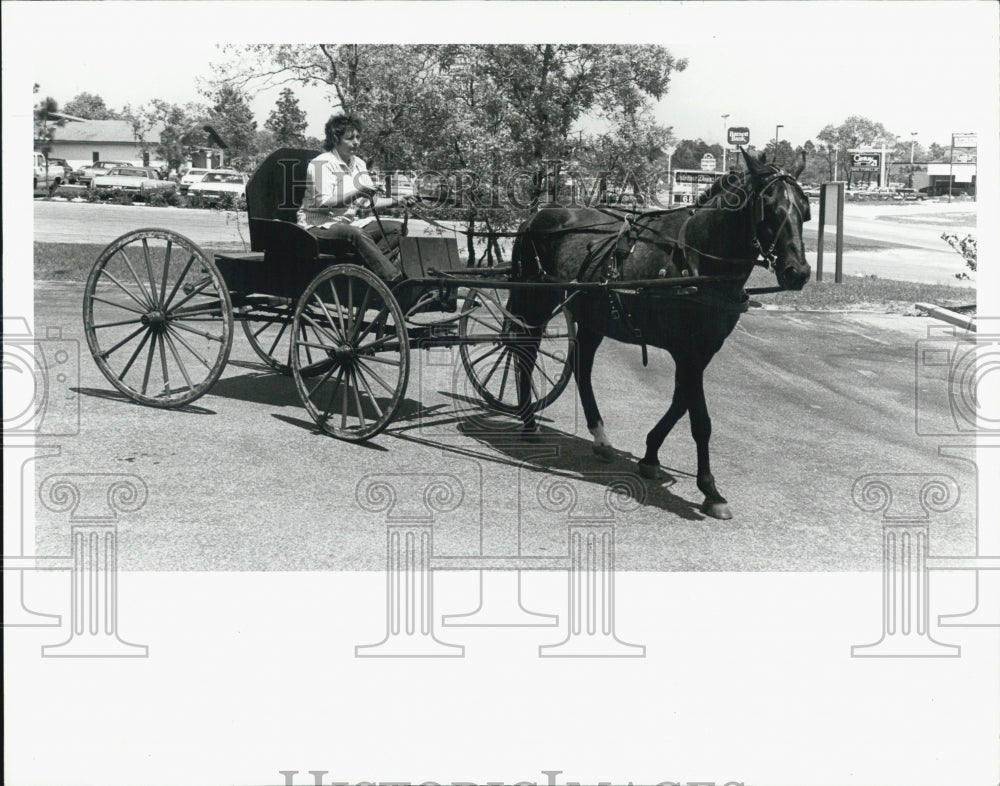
350, 353
491, 365
158, 318
269, 331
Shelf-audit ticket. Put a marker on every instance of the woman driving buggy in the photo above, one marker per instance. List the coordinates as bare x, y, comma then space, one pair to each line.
337, 185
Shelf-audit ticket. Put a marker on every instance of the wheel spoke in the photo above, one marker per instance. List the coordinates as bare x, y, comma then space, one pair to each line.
378, 378
117, 305
163, 365
340, 309
485, 355
117, 283
384, 361
177, 358
197, 289
166, 271
362, 309
124, 341
131, 360
357, 398
149, 365
177, 283
333, 394
149, 300
188, 347
380, 343
324, 378
359, 375
320, 328
203, 333
379, 319
488, 377
149, 272
506, 370
277, 339
118, 324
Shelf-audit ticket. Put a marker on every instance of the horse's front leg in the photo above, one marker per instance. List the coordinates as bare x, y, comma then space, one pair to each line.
650, 462
525, 354
585, 349
701, 429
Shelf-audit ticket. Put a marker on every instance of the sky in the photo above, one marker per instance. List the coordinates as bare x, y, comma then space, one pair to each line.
911, 66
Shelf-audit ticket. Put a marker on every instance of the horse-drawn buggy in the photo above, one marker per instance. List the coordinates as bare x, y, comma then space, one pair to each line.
160, 312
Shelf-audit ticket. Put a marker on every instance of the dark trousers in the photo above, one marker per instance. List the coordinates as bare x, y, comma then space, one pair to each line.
370, 244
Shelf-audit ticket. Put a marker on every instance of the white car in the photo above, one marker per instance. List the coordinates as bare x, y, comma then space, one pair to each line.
135, 180
191, 177
216, 183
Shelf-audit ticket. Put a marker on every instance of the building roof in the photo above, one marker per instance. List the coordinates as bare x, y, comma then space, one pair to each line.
103, 131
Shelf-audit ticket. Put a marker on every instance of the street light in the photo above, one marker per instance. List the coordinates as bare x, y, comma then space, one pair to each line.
776, 129
724, 119
913, 141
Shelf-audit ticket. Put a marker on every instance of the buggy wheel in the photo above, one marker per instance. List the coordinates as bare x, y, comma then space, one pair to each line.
158, 318
350, 352
268, 328
490, 362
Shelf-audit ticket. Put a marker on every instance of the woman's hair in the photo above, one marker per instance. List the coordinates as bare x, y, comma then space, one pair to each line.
338, 125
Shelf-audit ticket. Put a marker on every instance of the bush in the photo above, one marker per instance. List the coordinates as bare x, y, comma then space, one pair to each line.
196, 200
162, 198
965, 246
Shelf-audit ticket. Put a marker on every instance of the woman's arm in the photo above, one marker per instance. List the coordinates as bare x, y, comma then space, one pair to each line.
337, 188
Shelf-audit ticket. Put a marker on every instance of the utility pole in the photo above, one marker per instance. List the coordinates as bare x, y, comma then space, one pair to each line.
776, 129
724, 142
913, 141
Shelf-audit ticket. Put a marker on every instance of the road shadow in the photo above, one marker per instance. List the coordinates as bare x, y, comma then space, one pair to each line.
268, 388
312, 428
114, 395
501, 441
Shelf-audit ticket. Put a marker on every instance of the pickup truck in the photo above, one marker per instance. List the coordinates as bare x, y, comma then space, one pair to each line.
47, 176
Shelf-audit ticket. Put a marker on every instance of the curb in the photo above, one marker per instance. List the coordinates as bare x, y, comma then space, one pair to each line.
959, 320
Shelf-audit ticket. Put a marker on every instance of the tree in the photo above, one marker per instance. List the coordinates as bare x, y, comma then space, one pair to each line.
46, 124
689, 153
854, 132
90, 107
233, 120
485, 117
287, 121
167, 129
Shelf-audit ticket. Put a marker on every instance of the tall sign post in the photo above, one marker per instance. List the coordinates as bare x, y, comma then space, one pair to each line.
738, 135
962, 140
831, 211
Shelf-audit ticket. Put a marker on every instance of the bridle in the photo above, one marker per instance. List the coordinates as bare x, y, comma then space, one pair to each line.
769, 257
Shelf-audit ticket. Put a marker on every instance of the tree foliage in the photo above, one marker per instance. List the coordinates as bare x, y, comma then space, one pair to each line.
232, 118
90, 107
287, 122
168, 130
485, 117
45, 124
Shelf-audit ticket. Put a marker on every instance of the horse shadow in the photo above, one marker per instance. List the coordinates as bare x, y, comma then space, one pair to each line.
549, 451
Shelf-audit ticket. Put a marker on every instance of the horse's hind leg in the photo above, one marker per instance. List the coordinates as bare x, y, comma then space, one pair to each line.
701, 429
585, 347
654, 439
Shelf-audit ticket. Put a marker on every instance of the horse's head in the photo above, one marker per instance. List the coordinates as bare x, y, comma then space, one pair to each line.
780, 207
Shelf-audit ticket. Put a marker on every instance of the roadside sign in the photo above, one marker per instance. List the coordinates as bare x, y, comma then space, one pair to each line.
688, 184
708, 163
738, 135
963, 140
866, 162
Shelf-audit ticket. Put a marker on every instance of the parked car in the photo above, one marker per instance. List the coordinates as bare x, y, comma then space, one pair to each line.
67, 169
910, 194
132, 179
190, 177
46, 174
86, 175
216, 183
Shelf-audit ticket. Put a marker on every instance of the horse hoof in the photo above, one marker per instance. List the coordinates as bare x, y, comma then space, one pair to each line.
604, 453
648, 471
717, 510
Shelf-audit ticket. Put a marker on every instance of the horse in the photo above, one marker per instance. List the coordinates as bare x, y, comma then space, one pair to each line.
742, 219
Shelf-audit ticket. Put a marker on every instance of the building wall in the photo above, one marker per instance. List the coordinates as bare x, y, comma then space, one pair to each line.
81, 153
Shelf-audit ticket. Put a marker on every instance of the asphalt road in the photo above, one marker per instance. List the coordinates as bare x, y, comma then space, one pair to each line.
802, 403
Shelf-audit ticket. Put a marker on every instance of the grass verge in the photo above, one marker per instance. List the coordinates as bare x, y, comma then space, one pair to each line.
73, 261
861, 293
